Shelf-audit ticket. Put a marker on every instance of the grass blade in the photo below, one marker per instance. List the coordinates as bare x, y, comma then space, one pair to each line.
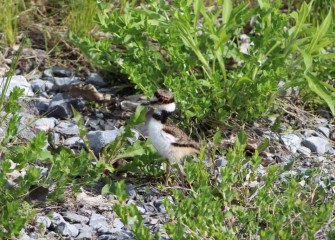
321, 31
227, 9
319, 88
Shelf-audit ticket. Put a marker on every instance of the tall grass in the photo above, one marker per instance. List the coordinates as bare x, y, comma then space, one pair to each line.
9, 16
80, 20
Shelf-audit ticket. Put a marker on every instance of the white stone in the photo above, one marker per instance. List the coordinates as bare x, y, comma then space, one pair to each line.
292, 142
45, 124
317, 145
17, 81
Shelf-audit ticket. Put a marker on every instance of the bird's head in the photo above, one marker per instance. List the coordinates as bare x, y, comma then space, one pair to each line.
162, 101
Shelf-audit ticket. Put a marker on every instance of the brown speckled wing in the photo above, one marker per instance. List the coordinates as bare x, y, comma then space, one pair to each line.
182, 139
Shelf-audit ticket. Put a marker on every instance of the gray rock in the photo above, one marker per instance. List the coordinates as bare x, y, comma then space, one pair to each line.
149, 207
95, 79
2, 133
118, 224
55, 137
65, 82
125, 234
146, 218
107, 237
320, 159
291, 141
317, 144
310, 133
25, 236
287, 174
67, 128
128, 105
39, 85
117, 235
63, 227
43, 95
324, 130
85, 232
45, 124
321, 120
253, 184
74, 142
140, 209
48, 73
331, 151
52, 235
159, 205
284, 159
25, 131
136, 98
99, 139
73, 217
17, 81
96, 202
41, 104
99, 223
59, 71
164, 236
154, 221
60, 107
304, 150
35, 235
271, 120
45, 221
221, 162
130, 201
130, 190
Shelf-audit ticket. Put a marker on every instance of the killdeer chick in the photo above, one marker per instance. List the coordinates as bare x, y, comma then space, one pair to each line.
170, 141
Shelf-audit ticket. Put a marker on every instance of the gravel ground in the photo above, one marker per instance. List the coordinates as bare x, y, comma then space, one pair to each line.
89, 215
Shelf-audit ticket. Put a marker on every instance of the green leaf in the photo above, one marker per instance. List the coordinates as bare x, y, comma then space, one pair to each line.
120, 191
217, 137
321, 31
138, 117
242, 138
227, 9
327, 55
307, 60
276, 125
197, 6
105, 190
134, 150
264, 145
319, 88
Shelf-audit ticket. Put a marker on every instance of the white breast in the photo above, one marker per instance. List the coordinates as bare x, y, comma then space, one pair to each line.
160, 140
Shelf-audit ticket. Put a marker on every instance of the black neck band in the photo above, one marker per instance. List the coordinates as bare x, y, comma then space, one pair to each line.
162, 116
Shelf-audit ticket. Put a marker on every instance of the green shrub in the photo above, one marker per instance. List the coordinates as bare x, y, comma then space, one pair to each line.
64, 168
188, 47
243, 204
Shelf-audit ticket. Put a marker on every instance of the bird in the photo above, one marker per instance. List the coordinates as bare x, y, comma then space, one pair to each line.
169, 140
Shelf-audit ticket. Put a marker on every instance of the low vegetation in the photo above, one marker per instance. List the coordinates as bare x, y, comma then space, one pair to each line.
187, 45
192, 47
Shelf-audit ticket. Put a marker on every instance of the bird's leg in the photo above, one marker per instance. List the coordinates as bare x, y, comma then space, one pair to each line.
182, 175
167, 172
